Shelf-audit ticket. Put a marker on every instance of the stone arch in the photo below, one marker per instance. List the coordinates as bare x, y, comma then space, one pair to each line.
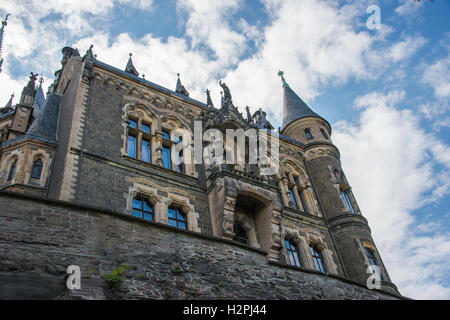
183, 203
46, 166
8, 161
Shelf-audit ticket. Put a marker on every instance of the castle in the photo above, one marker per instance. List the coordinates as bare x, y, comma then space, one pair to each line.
89, 176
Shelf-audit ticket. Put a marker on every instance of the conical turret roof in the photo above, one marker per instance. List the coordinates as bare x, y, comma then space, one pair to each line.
294, 107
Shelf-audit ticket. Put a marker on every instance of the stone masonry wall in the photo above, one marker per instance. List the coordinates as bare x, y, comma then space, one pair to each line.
39, 239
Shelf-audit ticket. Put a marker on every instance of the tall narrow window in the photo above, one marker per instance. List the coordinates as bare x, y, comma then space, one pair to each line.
302, 200
12, 170
318, 259
347, 201
308, 134
142, 208
37, 169
139, 140
132, 146
240, 234
146, 152
291, 195
167, 161
177, 218
294, 257
325, 135
374, 263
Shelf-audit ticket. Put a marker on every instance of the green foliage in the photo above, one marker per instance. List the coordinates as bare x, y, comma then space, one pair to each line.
115, 278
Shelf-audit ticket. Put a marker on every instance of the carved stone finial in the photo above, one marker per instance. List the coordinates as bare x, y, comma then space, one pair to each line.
281, 74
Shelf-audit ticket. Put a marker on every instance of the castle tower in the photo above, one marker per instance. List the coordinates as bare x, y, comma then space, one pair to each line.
349, 229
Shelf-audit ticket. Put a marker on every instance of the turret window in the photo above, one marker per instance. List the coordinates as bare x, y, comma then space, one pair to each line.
37, 169
318, 259
293, 253
143, 208
373, 262
12, 170
348, 203
325, 135
308, 134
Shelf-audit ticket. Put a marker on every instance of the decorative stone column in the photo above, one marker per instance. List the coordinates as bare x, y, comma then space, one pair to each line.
273, 254
158, 149
228, 217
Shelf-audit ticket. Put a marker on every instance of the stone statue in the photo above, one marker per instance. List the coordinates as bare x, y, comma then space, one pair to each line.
226, 91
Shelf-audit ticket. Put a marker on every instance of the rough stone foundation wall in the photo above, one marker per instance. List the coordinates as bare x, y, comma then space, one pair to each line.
39, 239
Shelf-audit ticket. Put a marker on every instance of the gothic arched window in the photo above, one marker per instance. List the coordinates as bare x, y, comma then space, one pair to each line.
177, 218
37, 169
319, 262
293, 253
142, 208
12, 170
240, 234
292, 198
139, 140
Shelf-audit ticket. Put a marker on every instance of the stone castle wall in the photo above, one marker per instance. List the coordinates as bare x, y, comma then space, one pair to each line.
39, 239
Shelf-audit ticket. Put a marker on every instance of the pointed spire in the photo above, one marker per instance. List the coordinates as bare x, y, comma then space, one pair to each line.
209, 102
2, 32
281, 74
130, 67
10, 102
8, 107
180, 88
39, 99
294, 107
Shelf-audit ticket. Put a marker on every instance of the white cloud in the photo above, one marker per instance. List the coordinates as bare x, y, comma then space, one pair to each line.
408, 7
438, 76
405, 49
391, 163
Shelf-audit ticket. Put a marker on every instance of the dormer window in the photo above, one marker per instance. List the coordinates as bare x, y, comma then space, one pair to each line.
308, 134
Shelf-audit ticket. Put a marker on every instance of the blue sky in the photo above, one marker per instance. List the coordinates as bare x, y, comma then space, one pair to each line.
385, 91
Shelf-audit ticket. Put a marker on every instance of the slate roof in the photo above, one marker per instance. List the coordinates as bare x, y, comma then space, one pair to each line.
294, 107
46, 125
